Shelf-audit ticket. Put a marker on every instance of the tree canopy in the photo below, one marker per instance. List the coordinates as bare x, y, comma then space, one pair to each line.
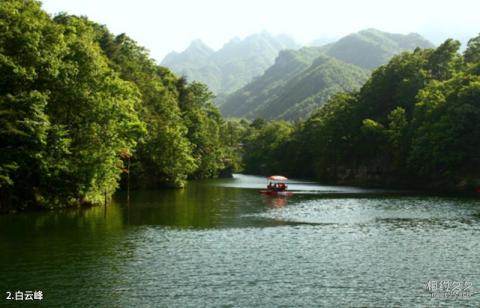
414, 123
76, 102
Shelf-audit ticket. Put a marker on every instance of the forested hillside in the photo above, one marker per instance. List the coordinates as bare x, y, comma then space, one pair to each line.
415, 123
301, 81
231, 67
80, 107
298, 83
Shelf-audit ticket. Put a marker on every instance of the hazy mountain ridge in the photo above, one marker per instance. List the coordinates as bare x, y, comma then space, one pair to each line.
231, 67
294, 86
288, 64
371, 48
301, 81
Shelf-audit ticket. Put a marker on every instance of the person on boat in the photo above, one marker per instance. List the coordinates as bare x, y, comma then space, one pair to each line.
276, 186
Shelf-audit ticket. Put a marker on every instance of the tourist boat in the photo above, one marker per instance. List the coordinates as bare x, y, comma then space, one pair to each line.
277, 186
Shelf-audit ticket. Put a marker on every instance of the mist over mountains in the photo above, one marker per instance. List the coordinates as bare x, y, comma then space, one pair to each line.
231, 67
371, 48
266, 76
294, 86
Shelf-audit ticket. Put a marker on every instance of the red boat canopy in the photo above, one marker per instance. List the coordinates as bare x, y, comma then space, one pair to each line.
277, 178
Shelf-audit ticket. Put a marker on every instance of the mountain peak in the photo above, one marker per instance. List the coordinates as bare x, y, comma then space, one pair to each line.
232, 42
231, 67
196, 51
372, 30
198, 45
370, 48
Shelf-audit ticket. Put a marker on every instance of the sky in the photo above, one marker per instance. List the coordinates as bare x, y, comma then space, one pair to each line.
162, 26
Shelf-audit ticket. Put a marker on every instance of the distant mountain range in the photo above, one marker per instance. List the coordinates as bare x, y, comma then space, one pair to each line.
294, 86
263, 76
301, 81
371, 48
231, 67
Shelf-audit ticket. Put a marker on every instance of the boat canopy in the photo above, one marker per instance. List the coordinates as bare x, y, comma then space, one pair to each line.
277, 178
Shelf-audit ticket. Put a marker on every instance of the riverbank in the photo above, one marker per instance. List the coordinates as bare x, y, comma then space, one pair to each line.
378, 177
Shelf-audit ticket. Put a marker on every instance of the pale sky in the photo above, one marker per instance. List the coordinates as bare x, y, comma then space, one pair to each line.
163, 26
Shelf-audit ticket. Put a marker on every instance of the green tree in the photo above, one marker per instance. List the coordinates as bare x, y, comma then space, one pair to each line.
96, 108
264, 149
448, 116
67, 114
415, 122
472, 53
164, 154
398, 137
445, 60
30, 51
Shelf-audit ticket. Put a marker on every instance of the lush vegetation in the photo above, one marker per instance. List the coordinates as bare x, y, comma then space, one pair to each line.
300, 81
415, 122
83, 111
231, 67
80, 108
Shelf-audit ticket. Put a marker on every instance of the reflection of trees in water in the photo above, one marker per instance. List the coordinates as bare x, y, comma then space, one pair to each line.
198, 205
93, 221
275, 201
62, 251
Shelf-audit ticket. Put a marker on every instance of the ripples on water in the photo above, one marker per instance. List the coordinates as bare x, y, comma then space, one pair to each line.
220, 243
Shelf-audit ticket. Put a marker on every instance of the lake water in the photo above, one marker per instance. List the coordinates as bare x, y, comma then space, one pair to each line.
221, 243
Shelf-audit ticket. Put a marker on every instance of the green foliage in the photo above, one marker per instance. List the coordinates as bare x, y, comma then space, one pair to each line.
415, 122
264, 149
76, 101
23, 137
395, 84
472, 53
326, 138
398, 139
445, 60
204, 124
30, 48
66, 113
96, 108
164, 153
448, 114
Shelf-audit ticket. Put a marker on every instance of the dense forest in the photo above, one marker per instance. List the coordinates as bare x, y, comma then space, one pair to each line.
415, 123
82, 110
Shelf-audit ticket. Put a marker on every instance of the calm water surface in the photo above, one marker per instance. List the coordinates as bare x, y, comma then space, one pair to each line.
221, 243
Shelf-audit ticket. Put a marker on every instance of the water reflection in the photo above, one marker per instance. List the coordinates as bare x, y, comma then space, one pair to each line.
199, 206
275, 201
221, 243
